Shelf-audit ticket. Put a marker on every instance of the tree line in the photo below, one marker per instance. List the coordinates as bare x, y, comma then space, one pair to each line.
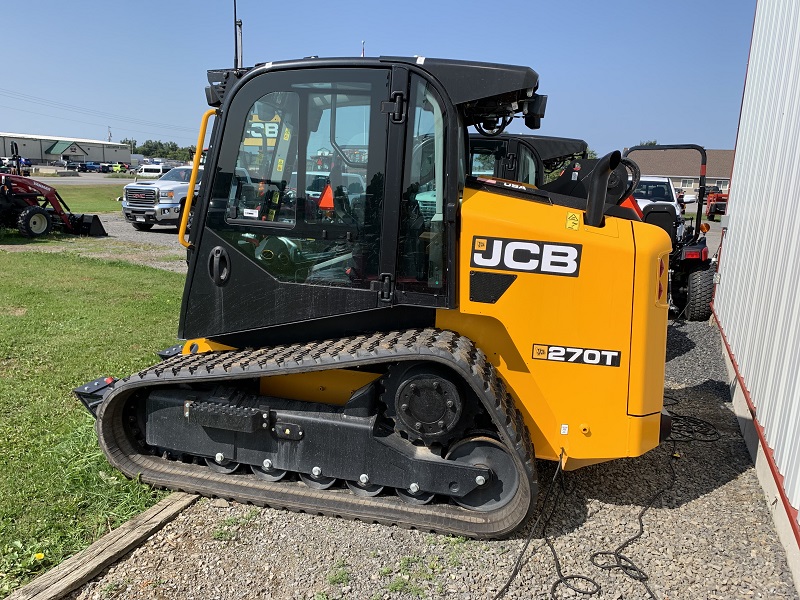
158, 149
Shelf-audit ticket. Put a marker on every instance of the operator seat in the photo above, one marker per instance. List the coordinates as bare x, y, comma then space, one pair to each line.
341, 201
662, 215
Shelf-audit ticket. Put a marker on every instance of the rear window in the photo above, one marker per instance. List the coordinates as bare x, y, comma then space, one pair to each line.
654, 191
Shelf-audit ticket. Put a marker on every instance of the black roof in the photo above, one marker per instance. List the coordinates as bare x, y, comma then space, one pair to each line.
465, 81
547, 147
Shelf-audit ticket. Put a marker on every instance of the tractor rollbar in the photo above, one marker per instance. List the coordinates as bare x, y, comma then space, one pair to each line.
701, 194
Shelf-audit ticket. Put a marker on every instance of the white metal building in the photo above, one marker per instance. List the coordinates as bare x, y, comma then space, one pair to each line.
41, 149
756, 302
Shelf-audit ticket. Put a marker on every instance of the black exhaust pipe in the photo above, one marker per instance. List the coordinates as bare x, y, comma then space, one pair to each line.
598, 186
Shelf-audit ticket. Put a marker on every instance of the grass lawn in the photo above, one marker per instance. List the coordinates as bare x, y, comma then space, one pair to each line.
65, 320
91, 199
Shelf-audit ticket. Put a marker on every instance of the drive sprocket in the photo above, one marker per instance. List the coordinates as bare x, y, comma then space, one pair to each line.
427, 404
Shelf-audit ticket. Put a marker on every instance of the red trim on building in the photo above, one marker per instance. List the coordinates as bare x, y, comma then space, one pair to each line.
791, 511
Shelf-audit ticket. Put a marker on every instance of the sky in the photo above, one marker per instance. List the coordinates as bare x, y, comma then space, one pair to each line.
616, 73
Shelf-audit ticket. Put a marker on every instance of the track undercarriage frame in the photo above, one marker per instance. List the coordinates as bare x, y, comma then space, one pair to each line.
189, 422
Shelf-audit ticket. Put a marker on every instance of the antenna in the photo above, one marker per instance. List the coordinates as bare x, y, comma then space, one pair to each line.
109, 133
237, 39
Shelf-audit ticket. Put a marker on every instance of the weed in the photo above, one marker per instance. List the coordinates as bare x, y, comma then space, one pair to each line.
339, 574
229, 526
400, 584
407, 562
385, 571
113, 589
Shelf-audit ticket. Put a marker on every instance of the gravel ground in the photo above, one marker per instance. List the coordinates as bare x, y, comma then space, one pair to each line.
708, 536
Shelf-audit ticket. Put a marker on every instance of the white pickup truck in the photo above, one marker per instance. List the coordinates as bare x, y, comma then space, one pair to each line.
158, 202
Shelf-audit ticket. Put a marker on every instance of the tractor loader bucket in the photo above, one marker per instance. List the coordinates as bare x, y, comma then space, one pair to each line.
90, 225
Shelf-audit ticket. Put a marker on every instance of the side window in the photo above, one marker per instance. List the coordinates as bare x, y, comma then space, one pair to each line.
420, 259
526, 171
482, 164
299, 188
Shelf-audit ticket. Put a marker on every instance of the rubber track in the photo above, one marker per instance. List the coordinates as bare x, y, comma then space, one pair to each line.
442, 347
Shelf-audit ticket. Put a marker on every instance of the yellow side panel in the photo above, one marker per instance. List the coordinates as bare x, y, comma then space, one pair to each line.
330, 387
203, 345
561, 334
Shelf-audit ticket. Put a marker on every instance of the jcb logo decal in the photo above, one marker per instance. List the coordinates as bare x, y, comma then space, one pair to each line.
528, 256
583, 356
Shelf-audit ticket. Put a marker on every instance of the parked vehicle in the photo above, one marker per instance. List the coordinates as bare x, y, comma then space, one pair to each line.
152, 170
159, 202
36, 209
119, 167
74, 166
91, 167
691, 270
716, 203
659, 189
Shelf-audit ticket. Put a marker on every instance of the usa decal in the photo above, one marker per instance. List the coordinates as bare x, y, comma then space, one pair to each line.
581, 356
527, 256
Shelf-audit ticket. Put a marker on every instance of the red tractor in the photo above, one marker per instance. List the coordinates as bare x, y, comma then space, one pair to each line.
36, 209
716, 203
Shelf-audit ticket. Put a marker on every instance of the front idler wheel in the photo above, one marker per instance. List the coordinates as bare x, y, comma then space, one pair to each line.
503, 483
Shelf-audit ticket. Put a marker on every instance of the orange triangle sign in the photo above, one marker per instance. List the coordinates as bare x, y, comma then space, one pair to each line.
326, 199
630, 202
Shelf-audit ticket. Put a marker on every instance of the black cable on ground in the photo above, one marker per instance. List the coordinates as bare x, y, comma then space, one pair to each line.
567, 580
518, 563
615, 559
684, 429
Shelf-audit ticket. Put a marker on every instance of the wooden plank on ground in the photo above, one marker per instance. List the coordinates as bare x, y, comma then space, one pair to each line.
84, 566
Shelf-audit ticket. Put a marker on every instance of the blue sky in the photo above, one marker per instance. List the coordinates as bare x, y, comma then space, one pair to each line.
616, 73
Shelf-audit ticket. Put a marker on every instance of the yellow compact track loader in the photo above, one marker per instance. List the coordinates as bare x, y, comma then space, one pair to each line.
372, 334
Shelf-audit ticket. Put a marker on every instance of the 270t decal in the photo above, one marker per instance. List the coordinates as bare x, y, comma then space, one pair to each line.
583, 356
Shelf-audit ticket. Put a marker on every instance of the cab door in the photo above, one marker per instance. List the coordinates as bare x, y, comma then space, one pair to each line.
294, 209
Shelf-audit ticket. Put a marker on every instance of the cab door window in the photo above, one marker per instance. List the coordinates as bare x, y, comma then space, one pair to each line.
526, 165
300, 190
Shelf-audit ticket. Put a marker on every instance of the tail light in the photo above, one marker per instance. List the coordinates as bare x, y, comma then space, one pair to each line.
696, 254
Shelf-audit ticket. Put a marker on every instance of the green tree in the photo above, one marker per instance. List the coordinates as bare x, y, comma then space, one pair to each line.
649, 143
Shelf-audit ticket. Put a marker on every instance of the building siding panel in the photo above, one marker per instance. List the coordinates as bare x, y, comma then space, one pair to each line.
756, 300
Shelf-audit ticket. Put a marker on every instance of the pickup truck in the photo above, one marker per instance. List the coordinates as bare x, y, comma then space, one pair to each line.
716, 203
159, 202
